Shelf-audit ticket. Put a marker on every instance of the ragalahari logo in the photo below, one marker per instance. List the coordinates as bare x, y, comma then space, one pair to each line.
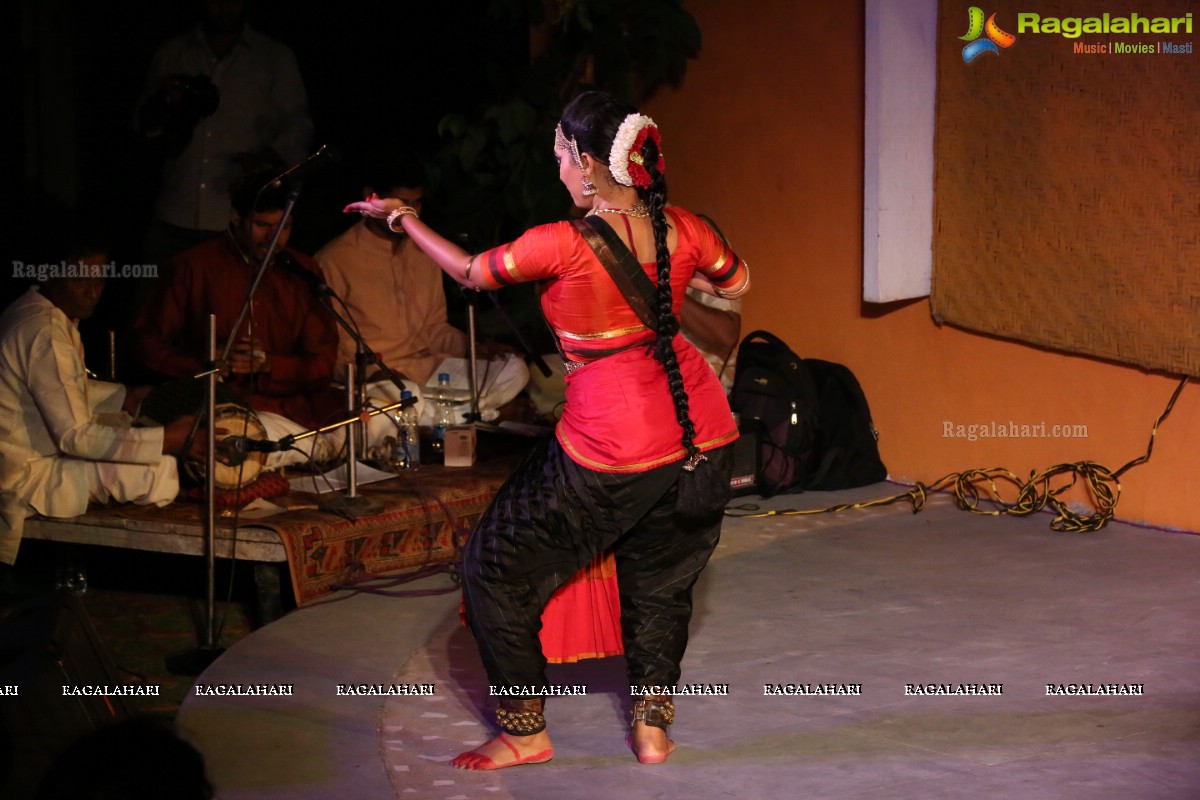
996, 38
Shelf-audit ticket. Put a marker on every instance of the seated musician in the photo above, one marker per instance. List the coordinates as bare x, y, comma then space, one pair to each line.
64, 438
395, 295
393, 290
283, 356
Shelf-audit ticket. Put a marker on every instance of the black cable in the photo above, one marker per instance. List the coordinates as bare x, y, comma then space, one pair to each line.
1033, 495
382, 585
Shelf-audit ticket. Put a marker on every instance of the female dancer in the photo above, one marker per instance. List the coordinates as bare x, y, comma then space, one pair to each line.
645, 417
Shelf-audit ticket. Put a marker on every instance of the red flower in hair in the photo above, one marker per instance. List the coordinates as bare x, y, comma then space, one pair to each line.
637, 168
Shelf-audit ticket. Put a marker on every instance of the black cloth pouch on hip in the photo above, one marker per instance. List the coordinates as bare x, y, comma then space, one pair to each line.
706, 489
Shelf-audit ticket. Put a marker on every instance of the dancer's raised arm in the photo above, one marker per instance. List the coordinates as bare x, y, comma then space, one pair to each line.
454, 260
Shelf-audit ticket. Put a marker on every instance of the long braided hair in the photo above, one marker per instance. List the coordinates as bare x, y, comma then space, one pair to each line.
592, 119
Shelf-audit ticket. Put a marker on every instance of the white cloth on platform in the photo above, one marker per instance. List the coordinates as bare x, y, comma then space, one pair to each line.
63, 438
500, 380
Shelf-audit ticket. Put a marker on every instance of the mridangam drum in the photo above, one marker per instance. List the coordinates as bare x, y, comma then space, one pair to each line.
232, 467
235, 468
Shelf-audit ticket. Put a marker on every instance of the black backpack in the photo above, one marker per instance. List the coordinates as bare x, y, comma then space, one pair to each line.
776, 399
810, 418
848, 442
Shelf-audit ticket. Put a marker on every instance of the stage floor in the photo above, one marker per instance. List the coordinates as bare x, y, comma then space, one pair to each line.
913, 620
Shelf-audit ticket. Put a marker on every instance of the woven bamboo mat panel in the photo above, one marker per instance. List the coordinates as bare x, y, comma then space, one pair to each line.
1067, 188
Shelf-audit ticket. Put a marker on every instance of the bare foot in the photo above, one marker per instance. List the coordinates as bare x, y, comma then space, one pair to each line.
507, 751
650, 744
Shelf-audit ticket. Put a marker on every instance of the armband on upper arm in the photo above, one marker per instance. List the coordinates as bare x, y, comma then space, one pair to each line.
738, 289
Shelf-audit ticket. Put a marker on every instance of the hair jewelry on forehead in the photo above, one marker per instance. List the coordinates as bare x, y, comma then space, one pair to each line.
561, 141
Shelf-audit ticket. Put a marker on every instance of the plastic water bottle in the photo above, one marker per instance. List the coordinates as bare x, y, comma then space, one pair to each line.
443, 416
408, 437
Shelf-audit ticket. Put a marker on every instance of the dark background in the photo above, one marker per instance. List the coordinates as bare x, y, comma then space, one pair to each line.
375, 73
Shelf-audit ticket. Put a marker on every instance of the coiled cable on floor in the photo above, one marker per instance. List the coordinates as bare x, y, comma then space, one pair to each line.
973, 486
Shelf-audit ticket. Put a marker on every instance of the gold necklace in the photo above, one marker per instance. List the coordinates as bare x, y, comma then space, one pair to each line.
637, 211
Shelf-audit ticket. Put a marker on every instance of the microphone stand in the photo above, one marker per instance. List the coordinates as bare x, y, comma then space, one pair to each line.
359, 401
475, 416
292, 439
242, 446
473, 363
196, 661
193, 662
364, 354
526, 347
352, 506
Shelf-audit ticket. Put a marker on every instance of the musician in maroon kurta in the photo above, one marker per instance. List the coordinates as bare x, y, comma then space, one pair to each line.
284, 352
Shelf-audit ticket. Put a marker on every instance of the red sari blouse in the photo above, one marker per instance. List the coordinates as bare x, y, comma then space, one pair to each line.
619, 414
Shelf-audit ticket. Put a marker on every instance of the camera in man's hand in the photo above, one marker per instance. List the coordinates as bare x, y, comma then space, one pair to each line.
171, 113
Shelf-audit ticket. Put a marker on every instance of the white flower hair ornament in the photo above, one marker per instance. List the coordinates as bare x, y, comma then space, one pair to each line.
625, 159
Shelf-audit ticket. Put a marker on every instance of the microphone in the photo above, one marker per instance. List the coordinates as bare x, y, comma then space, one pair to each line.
287, 263
236, 449
325, 156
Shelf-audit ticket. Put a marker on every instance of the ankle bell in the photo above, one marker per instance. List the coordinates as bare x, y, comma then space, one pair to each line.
658, 713
522, 717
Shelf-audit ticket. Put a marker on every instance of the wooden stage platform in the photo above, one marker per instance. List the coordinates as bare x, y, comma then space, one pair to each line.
426, 517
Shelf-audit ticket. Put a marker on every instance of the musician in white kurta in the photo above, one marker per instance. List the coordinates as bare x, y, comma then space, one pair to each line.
64, 439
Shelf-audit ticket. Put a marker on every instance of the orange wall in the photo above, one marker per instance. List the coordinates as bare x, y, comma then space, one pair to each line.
766, 136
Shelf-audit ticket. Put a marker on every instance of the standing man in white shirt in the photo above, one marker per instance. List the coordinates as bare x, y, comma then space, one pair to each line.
260, 116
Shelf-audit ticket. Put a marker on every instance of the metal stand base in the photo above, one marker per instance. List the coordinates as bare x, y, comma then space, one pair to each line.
352, 508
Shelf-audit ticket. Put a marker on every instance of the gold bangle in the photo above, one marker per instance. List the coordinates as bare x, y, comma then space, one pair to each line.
470, 263
402, 211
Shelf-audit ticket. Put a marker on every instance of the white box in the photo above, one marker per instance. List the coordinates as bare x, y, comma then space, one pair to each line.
459, 448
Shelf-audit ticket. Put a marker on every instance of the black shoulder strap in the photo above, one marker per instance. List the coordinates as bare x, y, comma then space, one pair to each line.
624, 269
